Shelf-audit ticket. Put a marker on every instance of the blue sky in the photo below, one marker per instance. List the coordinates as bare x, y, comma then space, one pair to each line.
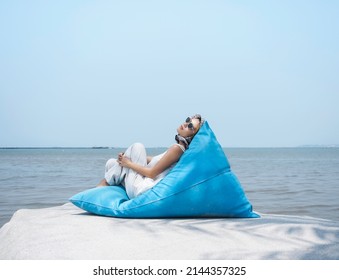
110, 73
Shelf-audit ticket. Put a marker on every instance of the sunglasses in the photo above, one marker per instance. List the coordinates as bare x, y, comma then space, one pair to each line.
189, 121
190, 124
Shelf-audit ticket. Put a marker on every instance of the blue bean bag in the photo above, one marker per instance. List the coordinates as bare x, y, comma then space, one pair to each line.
200, 185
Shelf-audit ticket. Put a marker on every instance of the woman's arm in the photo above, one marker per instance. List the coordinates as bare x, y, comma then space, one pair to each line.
170, 157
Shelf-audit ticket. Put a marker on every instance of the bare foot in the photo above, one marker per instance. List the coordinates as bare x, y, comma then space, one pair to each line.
103, 183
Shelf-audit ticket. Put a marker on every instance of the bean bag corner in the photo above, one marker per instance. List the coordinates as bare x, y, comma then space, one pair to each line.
201, 184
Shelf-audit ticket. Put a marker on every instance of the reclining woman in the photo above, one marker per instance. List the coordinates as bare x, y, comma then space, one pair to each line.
138, 172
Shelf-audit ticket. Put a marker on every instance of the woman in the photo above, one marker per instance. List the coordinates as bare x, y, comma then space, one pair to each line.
138, 172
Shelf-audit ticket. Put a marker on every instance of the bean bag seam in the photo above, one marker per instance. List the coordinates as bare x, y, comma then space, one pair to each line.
194, 185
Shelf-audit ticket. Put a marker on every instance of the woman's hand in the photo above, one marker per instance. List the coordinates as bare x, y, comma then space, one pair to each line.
120, 155
124, 161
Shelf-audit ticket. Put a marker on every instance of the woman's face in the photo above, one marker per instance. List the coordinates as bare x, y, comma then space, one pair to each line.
189, 127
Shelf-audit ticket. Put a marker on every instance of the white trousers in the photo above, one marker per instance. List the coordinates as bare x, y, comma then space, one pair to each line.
134, 183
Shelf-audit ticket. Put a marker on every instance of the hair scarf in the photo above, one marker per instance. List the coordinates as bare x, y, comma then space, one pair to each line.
185, 140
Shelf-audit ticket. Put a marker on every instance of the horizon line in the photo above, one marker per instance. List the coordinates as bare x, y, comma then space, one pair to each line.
163, 147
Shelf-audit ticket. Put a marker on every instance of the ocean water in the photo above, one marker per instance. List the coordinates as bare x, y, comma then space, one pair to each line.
293, 181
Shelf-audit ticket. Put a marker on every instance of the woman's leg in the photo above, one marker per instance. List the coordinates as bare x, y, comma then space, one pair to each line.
137, 154
117, 175
113, 172
103, 183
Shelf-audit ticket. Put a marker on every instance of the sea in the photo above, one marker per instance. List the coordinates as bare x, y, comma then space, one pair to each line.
290, 181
